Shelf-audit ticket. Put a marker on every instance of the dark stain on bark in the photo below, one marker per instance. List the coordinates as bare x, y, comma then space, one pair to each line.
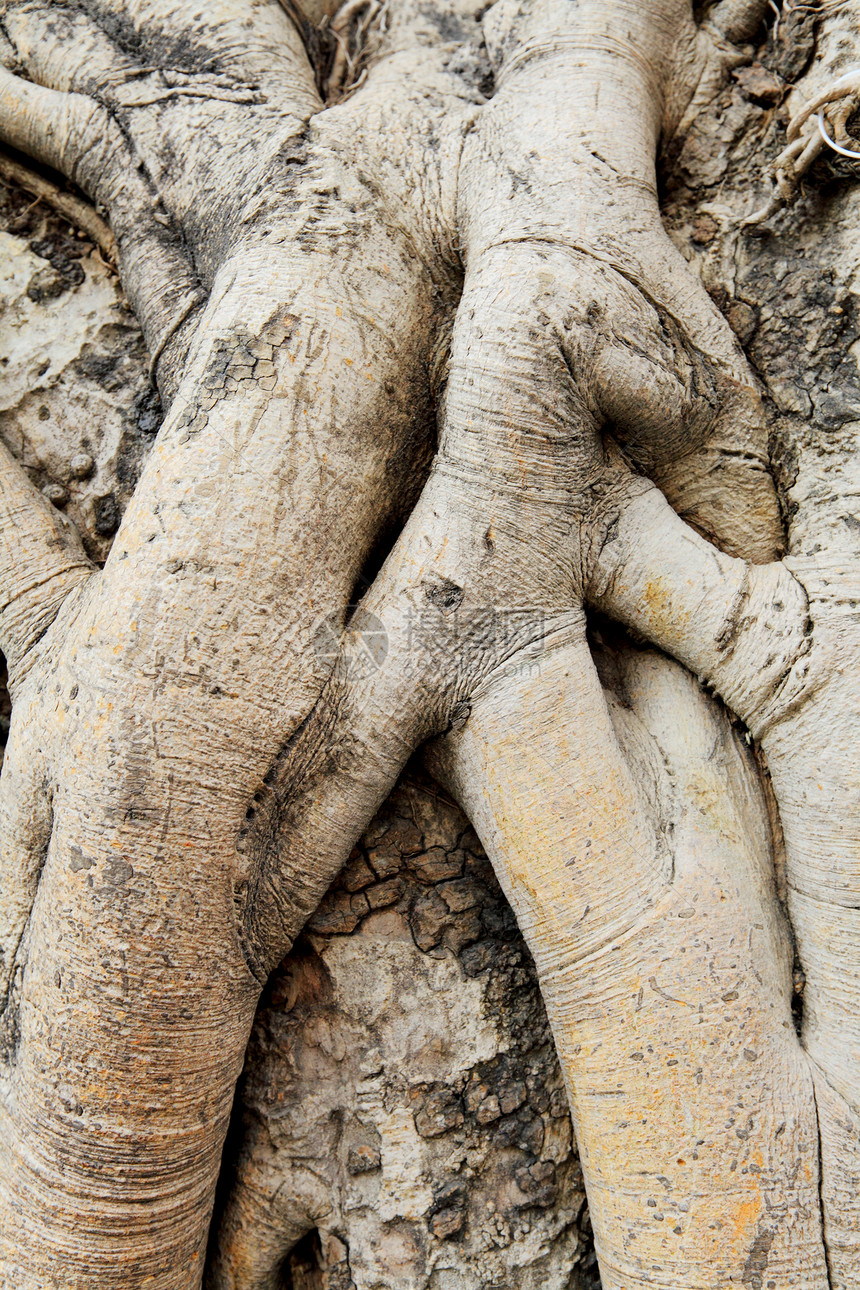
79, 860
756, 1264
444, 595
106, 515
448, 24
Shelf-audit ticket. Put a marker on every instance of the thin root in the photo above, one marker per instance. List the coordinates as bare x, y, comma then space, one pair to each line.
827, 7
831, 143
350, 30
797, 157
74, 209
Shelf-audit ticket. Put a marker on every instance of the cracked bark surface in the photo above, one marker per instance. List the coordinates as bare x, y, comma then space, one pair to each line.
574, 314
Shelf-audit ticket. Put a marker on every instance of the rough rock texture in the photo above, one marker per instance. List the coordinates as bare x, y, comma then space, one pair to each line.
76, 404
402, 1097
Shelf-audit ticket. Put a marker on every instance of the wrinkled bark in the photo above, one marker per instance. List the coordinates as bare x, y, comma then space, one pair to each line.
214, 798
454, 1025
786, 661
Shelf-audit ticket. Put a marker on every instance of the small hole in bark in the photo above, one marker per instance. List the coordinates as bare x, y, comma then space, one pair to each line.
301, 1269
309, 1266
444, 594
798, 984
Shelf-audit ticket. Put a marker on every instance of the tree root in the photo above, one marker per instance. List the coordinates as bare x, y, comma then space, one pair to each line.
834, 105
301, 409
74, 209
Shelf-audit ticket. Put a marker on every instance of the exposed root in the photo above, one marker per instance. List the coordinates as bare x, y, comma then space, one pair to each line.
834, 105
339, 47
829, 6
72, 208
349, 32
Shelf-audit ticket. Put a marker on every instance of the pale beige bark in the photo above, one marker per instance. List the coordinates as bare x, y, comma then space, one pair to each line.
781, 644
575, 311
418, 958
167, 728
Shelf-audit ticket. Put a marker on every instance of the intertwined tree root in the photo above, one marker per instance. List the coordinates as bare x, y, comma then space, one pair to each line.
831, 108
187, 770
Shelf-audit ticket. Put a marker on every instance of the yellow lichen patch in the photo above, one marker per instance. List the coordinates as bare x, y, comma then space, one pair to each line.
745, 1222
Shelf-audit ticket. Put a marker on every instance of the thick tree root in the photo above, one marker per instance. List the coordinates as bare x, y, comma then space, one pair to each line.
210, 767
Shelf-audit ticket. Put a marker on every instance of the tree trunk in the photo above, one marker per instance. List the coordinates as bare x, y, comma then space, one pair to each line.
344, 1050
400, 1120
